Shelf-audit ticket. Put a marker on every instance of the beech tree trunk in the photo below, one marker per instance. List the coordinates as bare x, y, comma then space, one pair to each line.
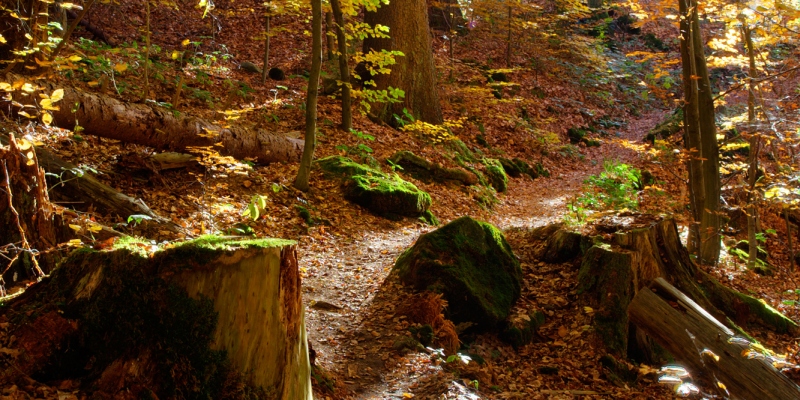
157, 127
701, 138
414, 72
154, 325
304, 172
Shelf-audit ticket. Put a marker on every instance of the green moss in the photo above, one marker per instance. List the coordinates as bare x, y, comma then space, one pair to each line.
345, 167
471, 263
497, 175
380, 193
428, 218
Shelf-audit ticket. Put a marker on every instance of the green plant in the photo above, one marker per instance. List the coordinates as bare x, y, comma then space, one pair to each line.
405, 119
615, 188
360, 149
77, 172
256, 207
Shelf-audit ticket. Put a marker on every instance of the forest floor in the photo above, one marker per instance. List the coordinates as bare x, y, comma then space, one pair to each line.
354, 306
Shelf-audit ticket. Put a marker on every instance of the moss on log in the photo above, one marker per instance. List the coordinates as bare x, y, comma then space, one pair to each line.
425, 170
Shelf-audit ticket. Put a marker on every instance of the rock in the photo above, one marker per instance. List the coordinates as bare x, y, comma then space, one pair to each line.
471, 264
496, 174
276, 74
250, 67
386, 195
745, 246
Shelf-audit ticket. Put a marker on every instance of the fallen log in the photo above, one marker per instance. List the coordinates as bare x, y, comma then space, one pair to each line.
81, 190
154, 126
707, 347
211, 318
425, 170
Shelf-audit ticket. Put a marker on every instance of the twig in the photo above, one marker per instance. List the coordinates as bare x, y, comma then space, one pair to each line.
25, 244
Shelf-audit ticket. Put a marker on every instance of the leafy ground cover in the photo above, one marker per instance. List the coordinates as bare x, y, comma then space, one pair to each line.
354, 307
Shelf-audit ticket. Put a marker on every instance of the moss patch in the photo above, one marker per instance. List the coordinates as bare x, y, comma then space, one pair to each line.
383, 194
471, 264
497, 175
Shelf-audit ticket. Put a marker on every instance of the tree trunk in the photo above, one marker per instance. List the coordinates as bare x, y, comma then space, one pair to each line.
701, 139
752, 171
414, 73
710, 224
304, 172
153, 325
686, 328
158, 127
344, 70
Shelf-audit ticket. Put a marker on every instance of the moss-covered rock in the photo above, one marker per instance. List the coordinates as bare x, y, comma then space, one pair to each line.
471, 264
383, 194
496, 174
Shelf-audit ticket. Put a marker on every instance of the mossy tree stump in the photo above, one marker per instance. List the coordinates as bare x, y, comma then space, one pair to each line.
624, 255
209, 318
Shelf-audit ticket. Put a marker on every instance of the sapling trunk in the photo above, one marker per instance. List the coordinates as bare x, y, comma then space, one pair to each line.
265, 69
304, 171
344, 70
752, 212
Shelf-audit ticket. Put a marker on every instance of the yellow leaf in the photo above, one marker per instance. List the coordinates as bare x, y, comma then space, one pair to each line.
47, 119
2, 39
75, 242
5, 86
175, 54
95, 228
24, 144
57, 95
185, 42
408, 396
27, 87
76, 228
26, 115
47, 104
93, 83
75, 58
121, 67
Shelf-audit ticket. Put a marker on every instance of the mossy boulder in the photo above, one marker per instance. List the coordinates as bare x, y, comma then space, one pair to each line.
496, 174
383, 194
471, 264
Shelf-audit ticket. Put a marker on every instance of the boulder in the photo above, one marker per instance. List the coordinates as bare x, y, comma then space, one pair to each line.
381, 193
471, 264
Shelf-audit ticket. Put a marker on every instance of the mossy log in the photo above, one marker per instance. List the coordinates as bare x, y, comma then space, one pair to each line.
671, 125
423, 169
209, 318
684, 328
629, 252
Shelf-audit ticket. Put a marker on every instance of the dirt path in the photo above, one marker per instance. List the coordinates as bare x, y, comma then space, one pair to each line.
353, 303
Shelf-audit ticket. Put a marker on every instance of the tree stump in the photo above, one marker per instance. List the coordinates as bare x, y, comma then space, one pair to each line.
623, 255
211, 318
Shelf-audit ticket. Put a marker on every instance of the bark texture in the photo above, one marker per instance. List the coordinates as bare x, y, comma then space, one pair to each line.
27, 219
682, 327
414, 72
157, 127
136, 325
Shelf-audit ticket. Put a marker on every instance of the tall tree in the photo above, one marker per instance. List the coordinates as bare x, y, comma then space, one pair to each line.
414, 73
304, 171
701, 135
344, 70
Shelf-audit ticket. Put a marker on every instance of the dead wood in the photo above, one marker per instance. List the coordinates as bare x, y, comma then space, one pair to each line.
706, 347
133, 324
158, 127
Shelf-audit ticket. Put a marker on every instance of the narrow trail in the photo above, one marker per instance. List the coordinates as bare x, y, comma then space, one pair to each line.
352, 302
